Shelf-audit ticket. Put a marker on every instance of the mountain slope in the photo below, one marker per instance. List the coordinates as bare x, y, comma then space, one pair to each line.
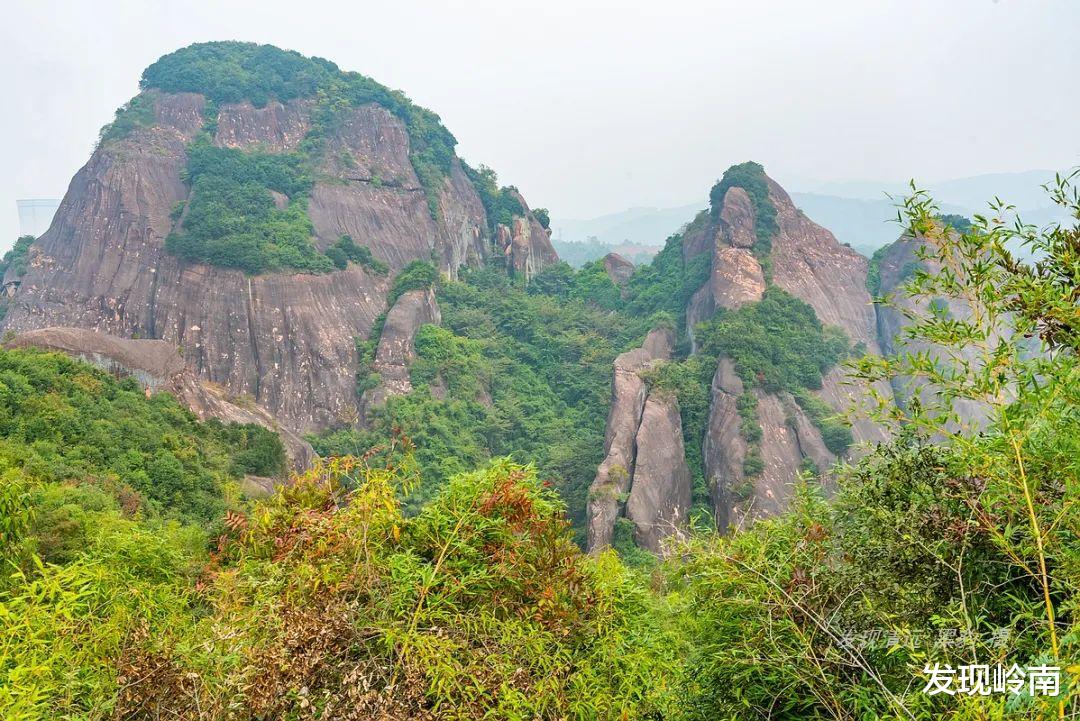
768, 303
297, 157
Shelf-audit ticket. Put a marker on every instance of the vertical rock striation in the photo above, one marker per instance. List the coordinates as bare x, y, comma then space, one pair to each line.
628, 395
397, 349
285, 339
660, 486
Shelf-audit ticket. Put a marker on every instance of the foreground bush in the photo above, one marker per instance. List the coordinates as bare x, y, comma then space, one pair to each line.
329, 603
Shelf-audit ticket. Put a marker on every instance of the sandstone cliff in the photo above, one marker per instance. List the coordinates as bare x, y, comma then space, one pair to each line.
158, 366
614, 478
285, 339
896, 265
618, 268
751, 479
660, 488
808, 262
396, 349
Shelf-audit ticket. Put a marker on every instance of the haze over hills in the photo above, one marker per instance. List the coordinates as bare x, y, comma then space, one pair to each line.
859, 213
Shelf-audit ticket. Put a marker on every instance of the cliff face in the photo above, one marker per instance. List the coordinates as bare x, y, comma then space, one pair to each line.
660, 489
397, 349
618, 268
158, 366
615, 477
748, 477
897, 264
285, 339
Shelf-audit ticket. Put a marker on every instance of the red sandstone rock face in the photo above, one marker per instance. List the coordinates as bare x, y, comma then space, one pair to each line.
618, 268
810, 263
737, 214
660, 490
628, 395
275, 128
158, 366
397, 349
287, 340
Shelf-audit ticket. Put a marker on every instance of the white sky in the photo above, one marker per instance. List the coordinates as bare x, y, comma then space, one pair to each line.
591, 107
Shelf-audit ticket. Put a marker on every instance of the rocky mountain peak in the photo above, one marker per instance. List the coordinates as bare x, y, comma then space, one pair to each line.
251, 206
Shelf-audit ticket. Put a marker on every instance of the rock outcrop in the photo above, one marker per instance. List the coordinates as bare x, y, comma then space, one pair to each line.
618, 268
397, 349
813, 266
660, 486
285, 339
158, 366
753, 478
724, 447
897, 264
527, 246
613, 481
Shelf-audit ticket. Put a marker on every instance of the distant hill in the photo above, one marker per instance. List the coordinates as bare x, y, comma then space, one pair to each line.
578, 254
649, 226
863, 224
859, 213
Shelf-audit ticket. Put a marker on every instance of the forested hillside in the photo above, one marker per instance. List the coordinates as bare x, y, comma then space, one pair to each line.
760, 476
132, 598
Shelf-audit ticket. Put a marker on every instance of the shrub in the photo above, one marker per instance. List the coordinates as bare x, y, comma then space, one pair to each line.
749, 176
15, 260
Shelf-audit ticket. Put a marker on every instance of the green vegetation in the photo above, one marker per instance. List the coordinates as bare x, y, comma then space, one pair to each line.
667, 284
689, 381
63, 422
15, 260
335, 600
873, 272
959, 223
232, 219
231, 72
542, 215
750, 176
590, 284
136, 114
778, 344
345, 250
328, 603
501, 204
509, 373
414, 276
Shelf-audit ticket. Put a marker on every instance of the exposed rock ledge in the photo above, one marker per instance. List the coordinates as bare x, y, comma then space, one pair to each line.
397, 349
644, 464
158, 366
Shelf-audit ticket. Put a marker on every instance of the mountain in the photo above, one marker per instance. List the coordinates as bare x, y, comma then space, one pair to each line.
304, 243
858, 213
634, 225
310, 246
251, 207
1022, 189
578, 254
484, 414
771, 302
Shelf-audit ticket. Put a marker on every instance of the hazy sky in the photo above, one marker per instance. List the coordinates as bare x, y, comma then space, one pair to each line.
591, 107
